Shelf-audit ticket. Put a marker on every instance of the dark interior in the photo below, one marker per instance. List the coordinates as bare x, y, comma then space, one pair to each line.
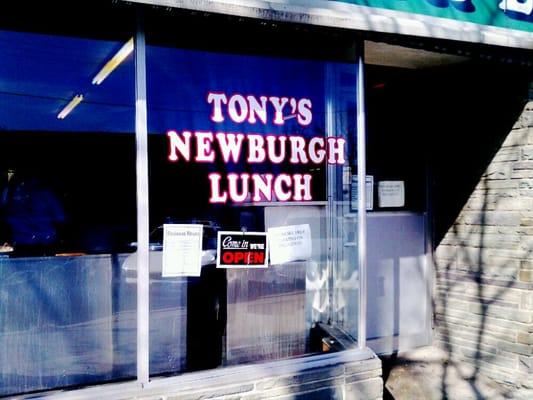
439, 128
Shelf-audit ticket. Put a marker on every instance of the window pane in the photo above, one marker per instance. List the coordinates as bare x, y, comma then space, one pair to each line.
241, 145
67, 211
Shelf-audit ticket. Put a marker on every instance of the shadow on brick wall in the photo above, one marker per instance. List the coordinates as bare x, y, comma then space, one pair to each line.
479, 123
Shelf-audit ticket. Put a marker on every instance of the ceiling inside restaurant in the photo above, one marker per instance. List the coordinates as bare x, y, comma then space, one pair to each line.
42, 73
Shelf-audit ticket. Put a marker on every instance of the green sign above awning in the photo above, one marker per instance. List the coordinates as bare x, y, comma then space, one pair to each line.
510, 14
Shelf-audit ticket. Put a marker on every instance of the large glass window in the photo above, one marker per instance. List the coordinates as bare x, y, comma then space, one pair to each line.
252, 160
67, 200
245, 148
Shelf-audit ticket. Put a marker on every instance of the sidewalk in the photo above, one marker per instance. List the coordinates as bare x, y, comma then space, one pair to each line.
426, 373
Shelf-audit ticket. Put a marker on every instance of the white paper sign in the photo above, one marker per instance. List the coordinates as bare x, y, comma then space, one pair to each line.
391, 194
369, 184
182, 250
289, 243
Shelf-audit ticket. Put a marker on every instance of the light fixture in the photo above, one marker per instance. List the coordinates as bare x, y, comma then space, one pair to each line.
110, 66
70, 106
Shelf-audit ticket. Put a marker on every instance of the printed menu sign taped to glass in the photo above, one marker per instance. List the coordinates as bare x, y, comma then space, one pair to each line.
182, 250
289, 243
242, 250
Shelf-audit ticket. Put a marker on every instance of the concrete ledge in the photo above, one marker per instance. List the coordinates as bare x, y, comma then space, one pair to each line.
342, 375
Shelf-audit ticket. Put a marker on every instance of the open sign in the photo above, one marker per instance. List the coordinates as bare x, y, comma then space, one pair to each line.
242, 250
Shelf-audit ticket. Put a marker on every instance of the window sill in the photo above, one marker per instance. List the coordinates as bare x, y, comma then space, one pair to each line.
226, 376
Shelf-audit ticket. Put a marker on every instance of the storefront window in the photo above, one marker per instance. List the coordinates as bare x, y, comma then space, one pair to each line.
67, 207
253, 230
253, 239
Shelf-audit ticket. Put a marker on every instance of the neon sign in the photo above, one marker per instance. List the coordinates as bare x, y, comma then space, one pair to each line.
275, 148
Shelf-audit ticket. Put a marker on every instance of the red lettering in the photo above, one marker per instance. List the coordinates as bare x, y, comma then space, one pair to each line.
243, 257
239, 257
227, 257
259, 258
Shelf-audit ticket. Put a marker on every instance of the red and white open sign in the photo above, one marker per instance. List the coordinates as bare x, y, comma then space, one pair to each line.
242, 250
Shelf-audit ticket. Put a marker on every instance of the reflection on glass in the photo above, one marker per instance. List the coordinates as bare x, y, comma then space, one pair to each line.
67, 214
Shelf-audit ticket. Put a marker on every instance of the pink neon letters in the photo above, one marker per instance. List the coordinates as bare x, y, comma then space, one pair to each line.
210, 147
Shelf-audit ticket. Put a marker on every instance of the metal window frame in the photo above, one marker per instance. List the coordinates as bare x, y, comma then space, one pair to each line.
143, 210
331, 205
361, 189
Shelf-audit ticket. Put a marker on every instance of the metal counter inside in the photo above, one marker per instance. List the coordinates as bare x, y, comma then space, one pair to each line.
72, 321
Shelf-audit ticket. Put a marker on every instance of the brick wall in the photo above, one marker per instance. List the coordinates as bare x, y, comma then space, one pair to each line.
484, 268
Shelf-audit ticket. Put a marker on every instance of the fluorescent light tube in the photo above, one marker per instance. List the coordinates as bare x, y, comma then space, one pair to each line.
118, 58
70, 106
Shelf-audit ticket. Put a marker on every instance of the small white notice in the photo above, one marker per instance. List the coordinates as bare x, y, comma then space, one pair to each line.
369, 187
391, 194
182, 250
289, 243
